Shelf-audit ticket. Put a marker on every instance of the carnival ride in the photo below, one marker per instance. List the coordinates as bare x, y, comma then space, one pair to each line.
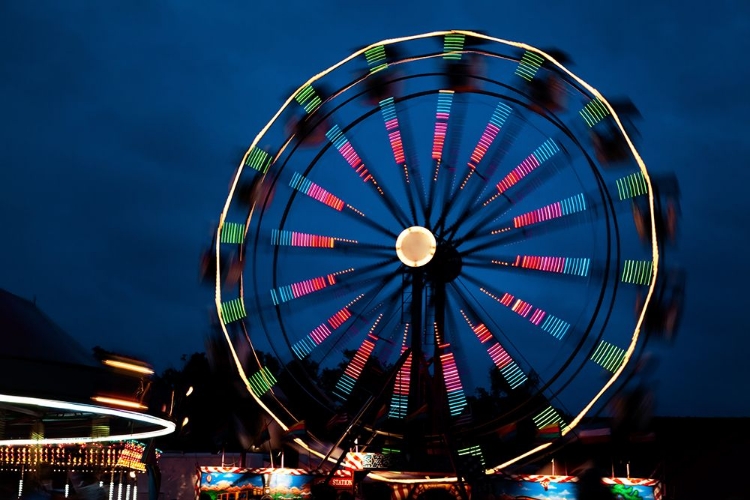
432, 251
64, 413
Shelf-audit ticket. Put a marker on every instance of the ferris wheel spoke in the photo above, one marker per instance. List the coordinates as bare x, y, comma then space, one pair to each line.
534, 223
303, 347
574, 273
544, 152
311, 101
491, 131
309, 188
511, 372
550, 323
373, 322
327, 340
317, 242
347, 151
417, 182
346, 316
485, 172
356, 365
454, 388
576, 267
509, 133
347, 277
442, 120
390, 117
453, 139
514, 179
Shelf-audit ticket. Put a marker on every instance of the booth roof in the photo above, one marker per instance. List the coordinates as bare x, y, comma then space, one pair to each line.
28, 333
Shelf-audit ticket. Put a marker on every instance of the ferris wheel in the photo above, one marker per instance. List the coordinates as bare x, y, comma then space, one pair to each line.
430, 249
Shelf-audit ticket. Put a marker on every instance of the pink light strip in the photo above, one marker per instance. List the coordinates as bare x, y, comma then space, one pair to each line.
499, 356
342, 144
439, 141
314, 191
397, 146
520, 307
359, 360
482, 333
311, 240
522, 170
450, 372
320, 333
388, 110
489, 134
339, 318
401, 387
550, 264
445, 99
551, 211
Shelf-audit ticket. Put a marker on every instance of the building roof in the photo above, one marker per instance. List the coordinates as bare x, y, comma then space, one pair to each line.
28, 333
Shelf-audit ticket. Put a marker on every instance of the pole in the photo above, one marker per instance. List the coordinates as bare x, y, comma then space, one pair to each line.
20, 483
394, 371
111, 485
417, 290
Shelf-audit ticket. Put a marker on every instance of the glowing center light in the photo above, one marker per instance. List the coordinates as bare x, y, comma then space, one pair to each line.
416, 246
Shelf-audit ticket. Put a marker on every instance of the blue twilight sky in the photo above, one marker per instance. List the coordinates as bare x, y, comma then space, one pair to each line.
123, 121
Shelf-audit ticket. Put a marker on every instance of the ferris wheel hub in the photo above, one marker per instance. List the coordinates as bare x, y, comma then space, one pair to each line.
416, 246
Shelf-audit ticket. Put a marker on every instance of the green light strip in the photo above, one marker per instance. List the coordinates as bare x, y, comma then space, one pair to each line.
376, 58
638, 272
631, 186
259, 160
529, 65
233, 232
609, 356
474, 451
308, 99
261, 382
232, 310
547, 417
594, 112
453, 44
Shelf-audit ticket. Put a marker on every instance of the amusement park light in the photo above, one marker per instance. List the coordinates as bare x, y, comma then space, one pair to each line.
411, 480
129, 366
164, 426
125, 403
415, 246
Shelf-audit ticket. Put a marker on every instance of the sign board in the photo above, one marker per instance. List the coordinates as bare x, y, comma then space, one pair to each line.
541, 487
234, 483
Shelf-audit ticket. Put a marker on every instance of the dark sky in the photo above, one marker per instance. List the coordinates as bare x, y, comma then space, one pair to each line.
123, 122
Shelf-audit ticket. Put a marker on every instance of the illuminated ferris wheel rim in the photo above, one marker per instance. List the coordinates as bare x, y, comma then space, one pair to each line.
634, 339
